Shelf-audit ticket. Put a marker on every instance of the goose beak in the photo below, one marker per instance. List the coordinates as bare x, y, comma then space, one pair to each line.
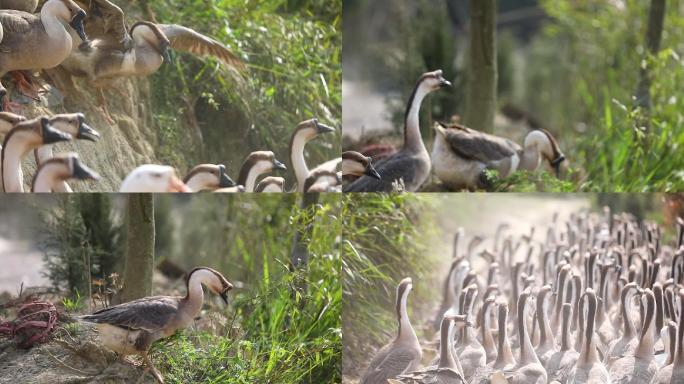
176, 185
77, 24
322, 128
224, 294
165, 51
51, 135
277, 165
444, 83
82, 172
370, 171
225, 181
87, 133
556, 163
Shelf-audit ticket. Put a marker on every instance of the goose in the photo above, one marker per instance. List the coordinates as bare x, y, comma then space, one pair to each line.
561, 363
24, 34
627, 343
54, 172
639, 367
469, 351
73, 124
547, 343
271, 184
485, 329
401, 355
19, 141
461, 155
208, 177
673, 373
256, 164
323, 181
305, 132
153, 178
115, 51
446, 371
529, 369
589, 369
131, 328
504, 357
355, 165
411, 165
451, 288
7, 121
28, 6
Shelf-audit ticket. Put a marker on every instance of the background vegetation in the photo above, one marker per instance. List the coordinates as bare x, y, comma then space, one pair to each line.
292, 51
280, 325
573, 66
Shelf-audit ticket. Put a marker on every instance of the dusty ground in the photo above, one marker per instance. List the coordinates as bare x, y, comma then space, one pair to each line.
478, 214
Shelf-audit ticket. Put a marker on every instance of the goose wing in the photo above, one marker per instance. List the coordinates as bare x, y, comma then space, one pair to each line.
189, 40
149, 313
474, 145
17, 23
401, 165
106, 22
396, 361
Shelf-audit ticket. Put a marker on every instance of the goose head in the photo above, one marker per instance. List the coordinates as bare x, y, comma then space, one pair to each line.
36, 132
64, 167
541, 140
74, 124
432, 81
69, 12
152, 178
309, 129
8, 121
213, 280
208, 177
356, 165
145, 32
258, 163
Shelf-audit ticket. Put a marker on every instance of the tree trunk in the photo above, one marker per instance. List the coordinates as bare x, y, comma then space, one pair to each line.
656, 20
482, 72
139, 262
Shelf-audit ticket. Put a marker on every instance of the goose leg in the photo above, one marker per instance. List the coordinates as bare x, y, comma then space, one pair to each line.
154, 370
25, 86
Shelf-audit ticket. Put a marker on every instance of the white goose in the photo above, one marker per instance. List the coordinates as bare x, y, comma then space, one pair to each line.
460, 155
305, 132
153, 178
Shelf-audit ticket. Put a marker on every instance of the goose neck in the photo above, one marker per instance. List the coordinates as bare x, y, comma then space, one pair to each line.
527, 354
413, 141
589, 353
545, 334
446, 358
504, 355
195, 296
647, 341
14, 150
301, 170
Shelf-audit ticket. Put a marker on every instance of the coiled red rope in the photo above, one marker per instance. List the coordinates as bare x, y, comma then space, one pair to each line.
34, 323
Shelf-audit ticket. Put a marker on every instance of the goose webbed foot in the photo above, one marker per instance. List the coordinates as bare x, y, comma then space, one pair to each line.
25, 86
154, 370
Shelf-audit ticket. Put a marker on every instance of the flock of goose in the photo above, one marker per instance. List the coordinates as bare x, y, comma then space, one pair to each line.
108, 51
600, 300
460, 155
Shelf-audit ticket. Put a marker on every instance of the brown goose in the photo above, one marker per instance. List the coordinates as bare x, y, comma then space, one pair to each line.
461, 155
529, 369
53, 173
589, 369
504, 357
673, 373
73, 124
401, 355
305, 132
355, 165
560, 365
208, 177
131, 328
639, 367
115, 51
24, 34
271, 184
257, 164
486, 330
447, 370
627, 343
469, 351
323, 181
22, 139
7, 121
28, 6
411, 165
547, 343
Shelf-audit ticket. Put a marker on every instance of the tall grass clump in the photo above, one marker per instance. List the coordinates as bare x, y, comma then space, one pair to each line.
283, 324
385, 240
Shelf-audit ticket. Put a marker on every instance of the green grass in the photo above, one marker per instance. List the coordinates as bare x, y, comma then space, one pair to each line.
75, 304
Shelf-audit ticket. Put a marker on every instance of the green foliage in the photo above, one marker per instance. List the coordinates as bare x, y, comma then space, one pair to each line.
75, 304
588, 80
278, 333
525, 181
80, 232
292, 52
381, 246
